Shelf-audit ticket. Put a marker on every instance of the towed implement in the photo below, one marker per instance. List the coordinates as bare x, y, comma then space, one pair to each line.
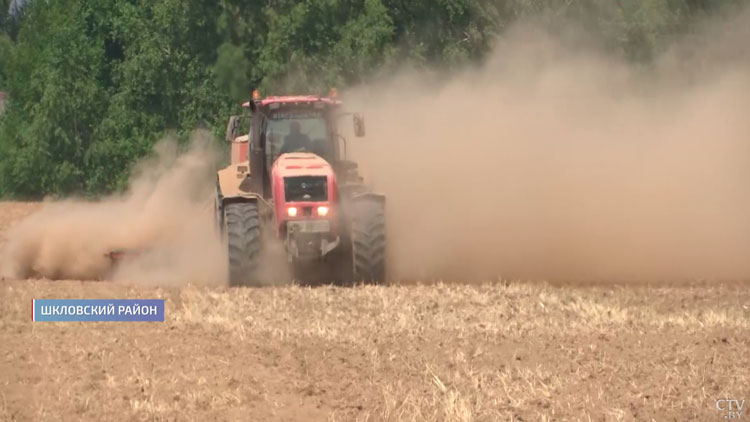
289, 184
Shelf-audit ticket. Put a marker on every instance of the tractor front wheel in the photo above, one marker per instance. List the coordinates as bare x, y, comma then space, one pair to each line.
368, 240
243, 242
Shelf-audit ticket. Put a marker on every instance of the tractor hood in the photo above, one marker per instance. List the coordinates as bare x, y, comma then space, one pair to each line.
302, 164
306, 182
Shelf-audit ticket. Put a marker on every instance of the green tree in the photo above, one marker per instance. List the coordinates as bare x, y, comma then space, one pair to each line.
231, 70
93, 84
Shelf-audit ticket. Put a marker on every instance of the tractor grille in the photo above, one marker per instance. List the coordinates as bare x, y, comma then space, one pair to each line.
306, 188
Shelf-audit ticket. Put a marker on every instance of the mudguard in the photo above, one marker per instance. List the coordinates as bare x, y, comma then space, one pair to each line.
368, 195
230, 181
232, 185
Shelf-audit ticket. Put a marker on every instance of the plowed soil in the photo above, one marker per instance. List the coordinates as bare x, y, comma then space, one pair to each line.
494, 352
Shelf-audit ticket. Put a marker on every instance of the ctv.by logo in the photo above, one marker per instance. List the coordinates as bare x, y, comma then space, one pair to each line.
733, 408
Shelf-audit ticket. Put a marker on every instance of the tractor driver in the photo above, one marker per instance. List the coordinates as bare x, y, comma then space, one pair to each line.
296, 140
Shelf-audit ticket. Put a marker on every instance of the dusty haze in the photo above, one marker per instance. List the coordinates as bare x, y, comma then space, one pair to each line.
167, 212
553, 160
557, 160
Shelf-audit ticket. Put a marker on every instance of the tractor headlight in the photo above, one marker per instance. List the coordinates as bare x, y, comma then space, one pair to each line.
292, 211
322, 211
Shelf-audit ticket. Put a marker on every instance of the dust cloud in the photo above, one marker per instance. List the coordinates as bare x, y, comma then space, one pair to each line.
166, 217
558, 160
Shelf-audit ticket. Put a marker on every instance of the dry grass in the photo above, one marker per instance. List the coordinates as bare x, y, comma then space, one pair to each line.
397, 353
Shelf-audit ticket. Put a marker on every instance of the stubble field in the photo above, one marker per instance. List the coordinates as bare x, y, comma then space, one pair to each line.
503, 351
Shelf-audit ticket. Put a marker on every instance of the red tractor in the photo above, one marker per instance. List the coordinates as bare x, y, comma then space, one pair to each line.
289, 182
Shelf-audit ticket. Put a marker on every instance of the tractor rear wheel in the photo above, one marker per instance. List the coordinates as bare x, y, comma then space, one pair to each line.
243, 242
368, 240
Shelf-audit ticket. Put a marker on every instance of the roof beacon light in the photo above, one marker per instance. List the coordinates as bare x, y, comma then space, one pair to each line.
333, 93
256, 94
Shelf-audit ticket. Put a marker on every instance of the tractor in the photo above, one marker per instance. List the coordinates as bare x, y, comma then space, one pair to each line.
289, 183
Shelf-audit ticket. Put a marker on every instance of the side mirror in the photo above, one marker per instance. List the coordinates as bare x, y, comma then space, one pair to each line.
359, 125
233, 128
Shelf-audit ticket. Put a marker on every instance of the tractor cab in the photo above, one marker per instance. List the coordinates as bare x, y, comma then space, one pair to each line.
285, 124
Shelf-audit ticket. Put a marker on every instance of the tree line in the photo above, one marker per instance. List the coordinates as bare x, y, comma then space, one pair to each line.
92, 84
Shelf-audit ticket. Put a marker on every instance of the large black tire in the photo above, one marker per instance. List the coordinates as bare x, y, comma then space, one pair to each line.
368, 240
243, 243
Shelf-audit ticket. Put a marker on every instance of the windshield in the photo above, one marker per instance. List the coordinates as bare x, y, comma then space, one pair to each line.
296, 131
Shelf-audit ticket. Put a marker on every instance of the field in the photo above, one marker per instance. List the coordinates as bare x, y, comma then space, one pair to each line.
506, 351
